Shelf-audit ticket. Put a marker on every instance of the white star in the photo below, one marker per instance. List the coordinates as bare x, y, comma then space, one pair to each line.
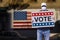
46, 23
33, 14
36, 14
34, 24
49, 23
45, 13
43, 24
37, 24
52, 23
48, 13
42, 14
51, 13
39, 14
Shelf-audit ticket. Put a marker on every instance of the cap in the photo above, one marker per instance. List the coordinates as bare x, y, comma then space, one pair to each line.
43, 4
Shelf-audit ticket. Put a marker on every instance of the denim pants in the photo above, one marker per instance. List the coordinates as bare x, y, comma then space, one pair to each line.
44, 32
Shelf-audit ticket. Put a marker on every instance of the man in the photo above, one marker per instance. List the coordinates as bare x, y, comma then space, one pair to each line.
43, 31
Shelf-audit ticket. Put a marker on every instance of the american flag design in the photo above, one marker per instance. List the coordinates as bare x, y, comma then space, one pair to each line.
22, 19
41, 19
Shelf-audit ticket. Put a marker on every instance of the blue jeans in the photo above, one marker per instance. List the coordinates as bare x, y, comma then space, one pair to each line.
41, 32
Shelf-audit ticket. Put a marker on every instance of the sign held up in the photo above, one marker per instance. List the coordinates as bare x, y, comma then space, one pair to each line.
43, 19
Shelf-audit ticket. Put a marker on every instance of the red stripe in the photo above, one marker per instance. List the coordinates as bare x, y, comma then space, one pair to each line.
20, 22
42, 14
22, 25
24, 22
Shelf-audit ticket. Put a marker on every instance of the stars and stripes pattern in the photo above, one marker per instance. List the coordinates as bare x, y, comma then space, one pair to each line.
22, 20
42, 24
42, 14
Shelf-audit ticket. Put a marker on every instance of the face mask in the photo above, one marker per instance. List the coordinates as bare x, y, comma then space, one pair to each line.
43, 8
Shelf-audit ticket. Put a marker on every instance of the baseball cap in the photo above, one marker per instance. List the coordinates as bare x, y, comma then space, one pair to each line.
43, 4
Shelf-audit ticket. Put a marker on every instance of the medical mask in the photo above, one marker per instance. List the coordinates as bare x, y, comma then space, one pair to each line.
43, 8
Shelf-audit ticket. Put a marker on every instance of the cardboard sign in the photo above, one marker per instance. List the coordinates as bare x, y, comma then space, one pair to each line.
33, 18
43, 19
